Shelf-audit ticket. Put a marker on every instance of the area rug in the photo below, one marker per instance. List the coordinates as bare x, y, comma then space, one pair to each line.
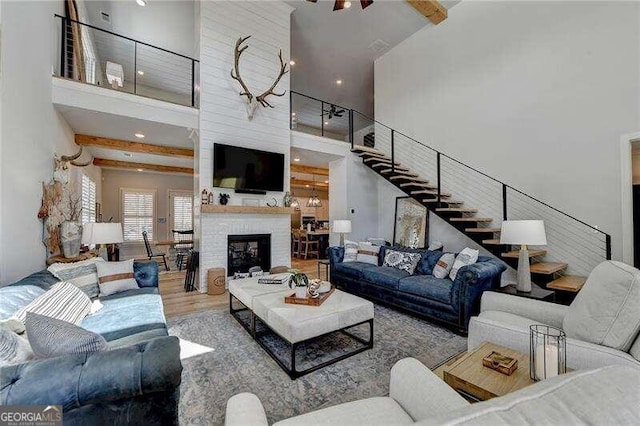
227, 361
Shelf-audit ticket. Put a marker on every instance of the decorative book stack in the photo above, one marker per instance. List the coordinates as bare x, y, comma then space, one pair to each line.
274, 279
501, 363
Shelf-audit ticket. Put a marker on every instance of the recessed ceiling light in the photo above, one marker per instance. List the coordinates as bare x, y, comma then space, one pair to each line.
326, 181
140, 72
296, 159
292, 62
141, 2
139, 135
347, 4
127, 154
140, 170
293, 114
326, 123
339, 82
307, 186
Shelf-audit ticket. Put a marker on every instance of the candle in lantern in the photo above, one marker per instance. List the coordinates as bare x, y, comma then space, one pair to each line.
546, 361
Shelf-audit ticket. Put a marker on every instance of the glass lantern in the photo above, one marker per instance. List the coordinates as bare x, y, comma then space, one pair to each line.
547, 352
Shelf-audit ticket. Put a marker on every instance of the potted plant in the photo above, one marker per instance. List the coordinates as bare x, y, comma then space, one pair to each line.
299, 282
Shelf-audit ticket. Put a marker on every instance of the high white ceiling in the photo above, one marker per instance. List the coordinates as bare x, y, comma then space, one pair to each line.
327, 45
312, 158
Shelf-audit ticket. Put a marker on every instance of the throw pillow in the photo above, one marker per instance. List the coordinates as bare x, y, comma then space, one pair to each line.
605, 312
63, 301
401, 260
350, 251
14, 349
444, 265
82, 274
428, 262
435, 245
115, 277
368, 253
51, 337
468, 256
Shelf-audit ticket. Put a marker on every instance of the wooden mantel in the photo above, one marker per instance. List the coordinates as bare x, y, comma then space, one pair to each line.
211, 208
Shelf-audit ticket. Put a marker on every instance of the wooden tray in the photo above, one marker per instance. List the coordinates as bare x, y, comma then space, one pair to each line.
308, 301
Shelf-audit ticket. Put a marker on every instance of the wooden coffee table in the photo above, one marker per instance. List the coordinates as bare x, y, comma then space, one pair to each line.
476, 382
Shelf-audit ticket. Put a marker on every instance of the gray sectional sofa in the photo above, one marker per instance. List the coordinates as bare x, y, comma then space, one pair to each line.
138, 377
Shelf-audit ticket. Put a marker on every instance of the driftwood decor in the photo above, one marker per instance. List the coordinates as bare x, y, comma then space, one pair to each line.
253, 101
59, 201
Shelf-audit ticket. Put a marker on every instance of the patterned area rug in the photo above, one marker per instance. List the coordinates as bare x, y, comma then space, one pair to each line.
228, 361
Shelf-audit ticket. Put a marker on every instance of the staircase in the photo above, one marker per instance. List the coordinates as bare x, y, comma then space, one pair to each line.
463, 218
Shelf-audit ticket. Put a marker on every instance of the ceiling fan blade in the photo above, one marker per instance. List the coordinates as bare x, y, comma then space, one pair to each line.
338, 5
366, 3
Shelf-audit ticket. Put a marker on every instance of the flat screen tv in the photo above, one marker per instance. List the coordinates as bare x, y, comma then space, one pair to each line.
247, 170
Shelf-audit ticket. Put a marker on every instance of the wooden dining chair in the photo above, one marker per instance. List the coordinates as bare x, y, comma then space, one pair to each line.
308, 246
182, 249
150, 253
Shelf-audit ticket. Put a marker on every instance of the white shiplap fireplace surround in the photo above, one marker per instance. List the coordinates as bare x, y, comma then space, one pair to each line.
223, 119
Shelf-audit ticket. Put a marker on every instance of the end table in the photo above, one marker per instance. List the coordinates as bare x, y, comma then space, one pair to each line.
536, 292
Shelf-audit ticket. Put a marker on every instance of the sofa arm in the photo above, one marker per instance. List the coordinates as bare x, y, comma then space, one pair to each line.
336, 254
420, 392
245, 409
79, 380
471, 281
146, 273
537, 310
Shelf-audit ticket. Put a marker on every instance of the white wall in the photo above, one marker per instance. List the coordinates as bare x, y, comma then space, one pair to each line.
31, 131
535, 94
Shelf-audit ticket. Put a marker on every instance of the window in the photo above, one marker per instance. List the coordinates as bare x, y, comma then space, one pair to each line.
88, 199
181, 210
138, 213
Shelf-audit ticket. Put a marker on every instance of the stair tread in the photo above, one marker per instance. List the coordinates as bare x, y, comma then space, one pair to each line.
572, 283
430, 192
492, 242
515, 254
362, 148
418, 184
456, 210
408, 176
480, 230
547, 268
399, 171
380, 160
471, 219
442, 200
388, 164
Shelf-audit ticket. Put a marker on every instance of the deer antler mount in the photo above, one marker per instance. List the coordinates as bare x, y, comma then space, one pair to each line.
253, 101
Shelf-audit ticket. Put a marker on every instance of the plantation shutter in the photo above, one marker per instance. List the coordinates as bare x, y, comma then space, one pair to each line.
182, 211
138, 211
88, 192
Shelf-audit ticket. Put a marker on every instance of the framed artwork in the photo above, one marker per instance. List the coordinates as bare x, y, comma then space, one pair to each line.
411, 223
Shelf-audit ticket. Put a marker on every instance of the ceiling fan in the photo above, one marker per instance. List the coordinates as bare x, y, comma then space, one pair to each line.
345, 4
333, 112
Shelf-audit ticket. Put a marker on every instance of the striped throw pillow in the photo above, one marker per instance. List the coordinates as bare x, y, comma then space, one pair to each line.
368, 253
14, 349
50, 337
63, 301
115, 277
82, 274
350, 251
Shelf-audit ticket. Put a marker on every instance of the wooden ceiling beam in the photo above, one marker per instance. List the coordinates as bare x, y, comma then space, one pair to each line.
122, 145
102, 162
431, 9
310, 170
303, 183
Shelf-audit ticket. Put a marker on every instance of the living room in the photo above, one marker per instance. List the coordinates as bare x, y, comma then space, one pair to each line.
472, 166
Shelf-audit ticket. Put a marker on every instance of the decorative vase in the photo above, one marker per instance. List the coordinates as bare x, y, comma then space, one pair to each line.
224, 199
71, 238
301, 292
287, 199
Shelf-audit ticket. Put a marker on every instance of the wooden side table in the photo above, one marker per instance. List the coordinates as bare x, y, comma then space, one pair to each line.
61, 259
476, 382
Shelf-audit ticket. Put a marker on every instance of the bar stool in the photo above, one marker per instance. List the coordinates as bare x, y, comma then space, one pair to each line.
295, 242
308, 246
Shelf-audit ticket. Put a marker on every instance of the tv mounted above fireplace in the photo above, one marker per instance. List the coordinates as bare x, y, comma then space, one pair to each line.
247, 170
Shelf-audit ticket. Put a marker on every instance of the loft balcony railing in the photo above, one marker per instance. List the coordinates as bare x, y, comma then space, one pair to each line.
95, 56
569, 240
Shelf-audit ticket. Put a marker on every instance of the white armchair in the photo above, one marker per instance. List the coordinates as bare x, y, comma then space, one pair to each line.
602, 323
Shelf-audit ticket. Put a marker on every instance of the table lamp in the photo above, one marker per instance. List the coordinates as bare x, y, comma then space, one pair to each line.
102, 233
342, 227
523, 233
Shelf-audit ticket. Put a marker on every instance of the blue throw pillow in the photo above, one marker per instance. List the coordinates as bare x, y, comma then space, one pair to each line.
50, 337
428, 262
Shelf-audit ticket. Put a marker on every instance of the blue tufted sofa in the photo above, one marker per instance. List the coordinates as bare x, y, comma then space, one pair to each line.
442, 300
136, 381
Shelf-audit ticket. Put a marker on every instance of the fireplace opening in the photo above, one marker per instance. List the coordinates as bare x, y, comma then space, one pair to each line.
247, 251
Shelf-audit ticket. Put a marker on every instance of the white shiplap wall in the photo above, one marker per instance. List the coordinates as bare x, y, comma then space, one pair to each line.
223, 117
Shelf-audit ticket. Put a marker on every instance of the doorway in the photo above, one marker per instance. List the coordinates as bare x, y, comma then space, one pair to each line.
630, 196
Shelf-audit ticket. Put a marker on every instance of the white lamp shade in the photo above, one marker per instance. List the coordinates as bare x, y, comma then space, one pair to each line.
115, 73
342, 226
102, 233
528, 232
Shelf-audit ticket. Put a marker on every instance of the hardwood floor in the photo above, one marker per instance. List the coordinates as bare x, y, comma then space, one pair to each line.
177, 302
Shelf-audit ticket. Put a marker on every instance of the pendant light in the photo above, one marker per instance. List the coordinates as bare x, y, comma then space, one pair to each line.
294, 202
314, 201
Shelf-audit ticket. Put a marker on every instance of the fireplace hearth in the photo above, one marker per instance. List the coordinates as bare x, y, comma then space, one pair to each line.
247, 251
